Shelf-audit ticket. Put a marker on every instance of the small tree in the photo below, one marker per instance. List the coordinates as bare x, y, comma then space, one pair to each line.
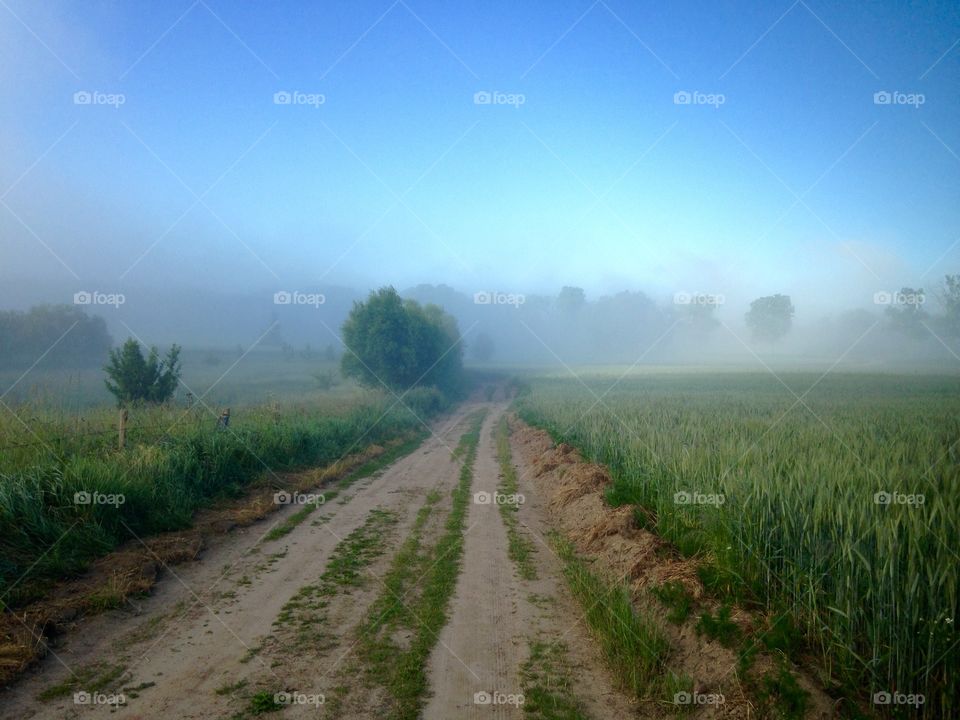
133, 378
770, 317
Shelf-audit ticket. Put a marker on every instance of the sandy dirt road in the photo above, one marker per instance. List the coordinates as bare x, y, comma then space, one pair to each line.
480, 647
253, 617
497, 616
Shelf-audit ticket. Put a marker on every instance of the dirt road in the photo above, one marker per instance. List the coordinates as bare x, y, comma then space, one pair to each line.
261, 624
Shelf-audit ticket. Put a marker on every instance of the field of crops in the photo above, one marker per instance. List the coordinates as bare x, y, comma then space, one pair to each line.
834, 499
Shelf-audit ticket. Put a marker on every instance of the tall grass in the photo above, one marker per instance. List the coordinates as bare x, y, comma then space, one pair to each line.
873, 587
165, 477
635, 648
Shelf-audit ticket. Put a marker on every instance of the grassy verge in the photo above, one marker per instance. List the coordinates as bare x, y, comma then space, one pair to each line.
519, 546
417, 591
65, 506
635, 648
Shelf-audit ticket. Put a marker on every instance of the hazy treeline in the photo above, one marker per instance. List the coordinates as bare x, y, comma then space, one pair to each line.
628, 327
906, 327
52, 336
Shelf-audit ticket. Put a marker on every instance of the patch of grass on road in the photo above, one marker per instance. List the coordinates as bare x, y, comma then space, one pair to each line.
287, 526
98, 677
231, 688
364, 471
416, 593
305, 612
548, 692
519, 547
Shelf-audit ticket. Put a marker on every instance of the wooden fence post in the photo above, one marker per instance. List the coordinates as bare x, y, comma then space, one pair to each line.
123, 428
224, 420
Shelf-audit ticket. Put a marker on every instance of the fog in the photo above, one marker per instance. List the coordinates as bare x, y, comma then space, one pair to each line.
147, 158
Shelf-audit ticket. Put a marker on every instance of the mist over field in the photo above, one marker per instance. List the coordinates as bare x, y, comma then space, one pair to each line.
408, 359
200, 171
689, 327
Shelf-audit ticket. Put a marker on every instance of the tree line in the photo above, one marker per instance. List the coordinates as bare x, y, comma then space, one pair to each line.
52, 336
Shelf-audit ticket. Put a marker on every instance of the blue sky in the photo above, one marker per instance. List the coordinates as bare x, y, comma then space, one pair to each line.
797, 182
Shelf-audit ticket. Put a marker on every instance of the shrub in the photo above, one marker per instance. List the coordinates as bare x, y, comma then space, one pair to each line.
133, 378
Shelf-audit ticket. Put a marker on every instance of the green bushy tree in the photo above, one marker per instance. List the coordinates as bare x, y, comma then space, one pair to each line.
134, 379
401, 344
770, 317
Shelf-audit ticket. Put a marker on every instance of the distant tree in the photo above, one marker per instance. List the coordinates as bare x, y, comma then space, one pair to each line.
905, 313
615, 326
950, 299
330, 353
571, 299
62, 335
134, 379
701, 316
483, 347
401, 344
770, 317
